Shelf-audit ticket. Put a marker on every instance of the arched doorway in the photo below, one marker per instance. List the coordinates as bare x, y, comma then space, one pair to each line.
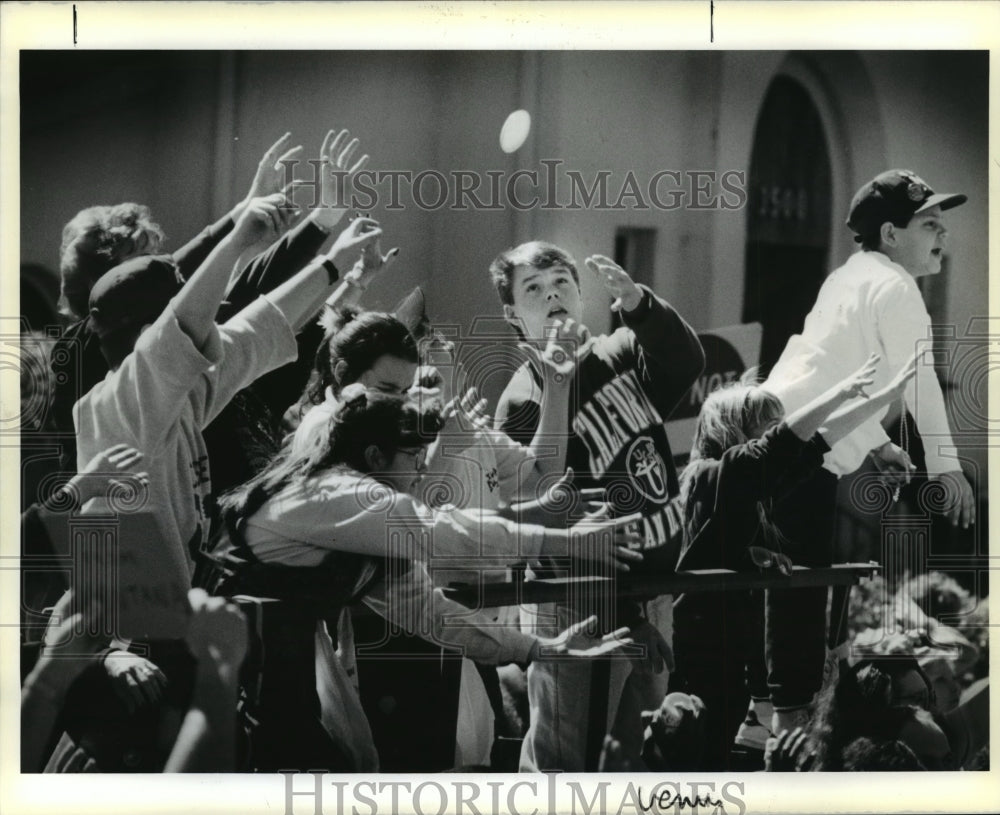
788, 218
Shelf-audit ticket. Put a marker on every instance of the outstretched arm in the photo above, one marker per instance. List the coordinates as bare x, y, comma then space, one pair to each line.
285, 257
846, 417
198, 301
807, 420
218, 639
267, 180
567, 346
669, 354
411, 601
66, 653
301, 297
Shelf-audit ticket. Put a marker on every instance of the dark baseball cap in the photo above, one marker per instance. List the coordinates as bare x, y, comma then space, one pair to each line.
133, 293
894, 196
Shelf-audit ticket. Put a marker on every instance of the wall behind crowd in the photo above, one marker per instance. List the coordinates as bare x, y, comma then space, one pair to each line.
182, 131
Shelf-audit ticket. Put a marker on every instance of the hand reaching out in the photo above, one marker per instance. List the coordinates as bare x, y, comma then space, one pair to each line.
598, 539
613, 758
370, 264
358, 234
908, 616
464, 415
568, 343
337, 180
95, 478
217, 634
264, 220
627, 295
855, 384
270, 176
576, 643
902, 378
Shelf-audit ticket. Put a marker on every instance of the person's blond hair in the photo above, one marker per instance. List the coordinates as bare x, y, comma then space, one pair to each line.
96, 240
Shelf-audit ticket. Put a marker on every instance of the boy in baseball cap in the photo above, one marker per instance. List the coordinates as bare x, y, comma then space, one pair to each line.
894, 196
173, 369
871, 304
128, 298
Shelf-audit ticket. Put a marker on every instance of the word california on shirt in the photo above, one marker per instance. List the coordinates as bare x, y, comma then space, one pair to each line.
620, 397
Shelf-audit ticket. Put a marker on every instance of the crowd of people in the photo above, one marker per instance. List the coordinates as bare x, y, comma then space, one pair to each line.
301, 461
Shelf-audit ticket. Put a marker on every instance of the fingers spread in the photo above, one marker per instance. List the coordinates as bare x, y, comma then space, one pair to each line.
358, 165
275, 149
335, 146
289, 155
583, 625
347, 152
624, 520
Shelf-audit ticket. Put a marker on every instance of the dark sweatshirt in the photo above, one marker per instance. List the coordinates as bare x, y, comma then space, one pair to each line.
620, 397
721, 512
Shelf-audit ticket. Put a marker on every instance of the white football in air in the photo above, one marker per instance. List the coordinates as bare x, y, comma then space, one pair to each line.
515, 130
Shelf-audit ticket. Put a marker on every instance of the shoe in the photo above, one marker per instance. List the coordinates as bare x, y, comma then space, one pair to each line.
753, 734
783, 720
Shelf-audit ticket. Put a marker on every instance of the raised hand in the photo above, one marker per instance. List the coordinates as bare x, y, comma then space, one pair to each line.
576, 643
899, 382
356, 236
567, 344
71, 641
627, 295
96, 477
337, 180
270, 176
370, 264
464, 414
264, 220
217, 634
855, 384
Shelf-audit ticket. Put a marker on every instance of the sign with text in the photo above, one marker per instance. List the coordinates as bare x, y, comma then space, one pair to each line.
729, 352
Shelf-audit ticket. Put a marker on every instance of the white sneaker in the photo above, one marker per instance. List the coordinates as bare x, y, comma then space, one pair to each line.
753, 733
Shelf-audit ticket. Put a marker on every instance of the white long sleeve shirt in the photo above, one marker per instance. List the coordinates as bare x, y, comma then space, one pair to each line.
343, 510
346, 511
163, 394
869, 304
